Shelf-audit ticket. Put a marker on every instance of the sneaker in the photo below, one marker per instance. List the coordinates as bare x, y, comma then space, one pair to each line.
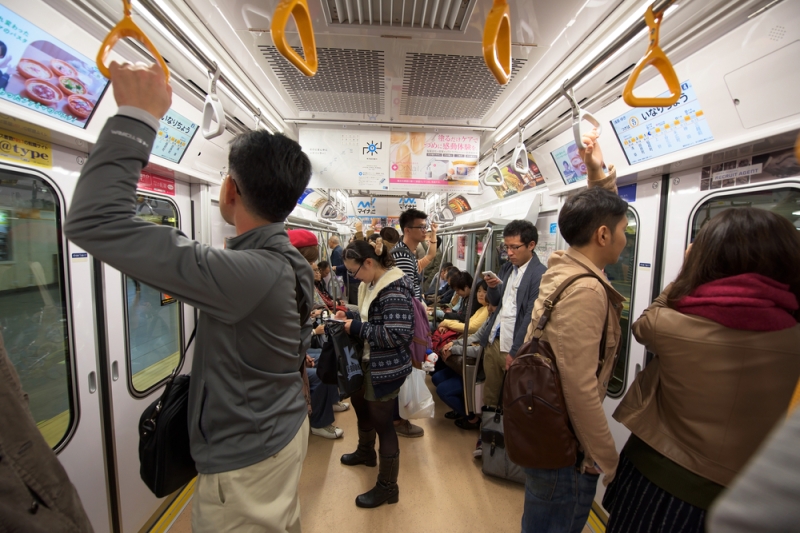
478, 451
338, 407
328, 432
409, 430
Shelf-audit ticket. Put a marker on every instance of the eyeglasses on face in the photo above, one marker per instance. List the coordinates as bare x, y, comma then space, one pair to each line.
511, 247
417, 227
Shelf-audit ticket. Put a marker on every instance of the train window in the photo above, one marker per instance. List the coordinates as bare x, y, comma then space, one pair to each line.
621, 276
153, 318
33, 304
784, 201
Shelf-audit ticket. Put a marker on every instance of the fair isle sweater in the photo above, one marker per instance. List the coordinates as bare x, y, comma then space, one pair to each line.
388, 329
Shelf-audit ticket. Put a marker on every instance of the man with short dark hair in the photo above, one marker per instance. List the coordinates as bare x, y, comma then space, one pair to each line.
248, 418
413, 225
513, 293
593, 223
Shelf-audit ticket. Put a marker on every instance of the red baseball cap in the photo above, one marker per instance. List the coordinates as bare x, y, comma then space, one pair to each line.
300, 238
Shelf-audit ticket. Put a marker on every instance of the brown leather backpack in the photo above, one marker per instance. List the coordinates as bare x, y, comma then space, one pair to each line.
538, 432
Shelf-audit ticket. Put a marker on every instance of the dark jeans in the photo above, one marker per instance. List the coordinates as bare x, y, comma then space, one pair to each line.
558, 500
323, 396
450, 388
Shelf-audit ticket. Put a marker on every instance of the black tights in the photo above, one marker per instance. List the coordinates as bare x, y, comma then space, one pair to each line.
378, 416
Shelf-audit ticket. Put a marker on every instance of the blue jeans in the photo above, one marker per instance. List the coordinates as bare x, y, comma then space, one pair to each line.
450, 388
557, 500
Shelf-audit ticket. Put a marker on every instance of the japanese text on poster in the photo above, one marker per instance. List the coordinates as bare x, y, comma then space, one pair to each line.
434, 161
175, 132
347, 159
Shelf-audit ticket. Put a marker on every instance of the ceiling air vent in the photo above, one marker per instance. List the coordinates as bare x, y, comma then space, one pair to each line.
420, 14
450, 86
347, 81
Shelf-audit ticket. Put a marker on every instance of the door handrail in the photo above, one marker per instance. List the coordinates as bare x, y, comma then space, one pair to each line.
127, 28
656, 57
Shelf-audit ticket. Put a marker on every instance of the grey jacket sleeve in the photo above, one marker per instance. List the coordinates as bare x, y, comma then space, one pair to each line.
765, 496
102, 220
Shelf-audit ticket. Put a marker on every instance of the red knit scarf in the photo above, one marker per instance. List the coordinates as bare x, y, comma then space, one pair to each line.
750, 302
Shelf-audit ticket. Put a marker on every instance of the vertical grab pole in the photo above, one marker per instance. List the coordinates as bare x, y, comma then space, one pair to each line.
471, 380
446, 247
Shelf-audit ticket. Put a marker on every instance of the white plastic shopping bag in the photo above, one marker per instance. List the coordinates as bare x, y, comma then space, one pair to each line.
415, 398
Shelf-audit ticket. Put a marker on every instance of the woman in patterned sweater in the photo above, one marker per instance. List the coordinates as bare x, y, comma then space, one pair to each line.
386, 322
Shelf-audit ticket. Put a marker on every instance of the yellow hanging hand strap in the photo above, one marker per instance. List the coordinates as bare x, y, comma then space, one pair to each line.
127, 28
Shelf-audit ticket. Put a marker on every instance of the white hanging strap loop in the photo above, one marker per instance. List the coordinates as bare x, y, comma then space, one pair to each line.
494, 176
520, 158
578, 116
213, 112
257, 118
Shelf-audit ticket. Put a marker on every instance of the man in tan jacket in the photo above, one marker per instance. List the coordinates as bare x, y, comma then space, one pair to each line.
593, 223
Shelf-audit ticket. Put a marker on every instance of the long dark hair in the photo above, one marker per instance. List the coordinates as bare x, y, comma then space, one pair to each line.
360, 251
740, 241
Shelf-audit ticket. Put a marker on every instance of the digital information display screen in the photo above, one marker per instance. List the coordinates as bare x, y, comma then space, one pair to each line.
569, 163
174, 136
41, 73
645, 133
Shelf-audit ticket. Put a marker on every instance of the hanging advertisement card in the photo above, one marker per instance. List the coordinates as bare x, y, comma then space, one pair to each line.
461, 247
514, 182
434, 161
348, 159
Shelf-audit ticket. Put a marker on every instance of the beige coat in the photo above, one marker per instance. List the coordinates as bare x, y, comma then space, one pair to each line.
574, 332
712, 394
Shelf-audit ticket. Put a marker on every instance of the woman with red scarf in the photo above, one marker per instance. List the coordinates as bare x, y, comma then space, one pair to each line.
727, 347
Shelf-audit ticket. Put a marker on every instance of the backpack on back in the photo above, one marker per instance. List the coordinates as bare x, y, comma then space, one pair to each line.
421, 342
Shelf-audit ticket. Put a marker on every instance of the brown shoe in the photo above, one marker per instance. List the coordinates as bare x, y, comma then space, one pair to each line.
408, 430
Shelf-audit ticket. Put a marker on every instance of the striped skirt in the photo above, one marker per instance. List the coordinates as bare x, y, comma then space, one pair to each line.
636, 505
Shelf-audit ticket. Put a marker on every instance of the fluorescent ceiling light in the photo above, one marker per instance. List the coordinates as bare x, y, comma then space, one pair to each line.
796, 213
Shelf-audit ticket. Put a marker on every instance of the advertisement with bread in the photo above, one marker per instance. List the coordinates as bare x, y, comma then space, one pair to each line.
434, 161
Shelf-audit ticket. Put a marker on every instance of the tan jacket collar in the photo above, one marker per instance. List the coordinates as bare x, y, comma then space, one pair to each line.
585, 262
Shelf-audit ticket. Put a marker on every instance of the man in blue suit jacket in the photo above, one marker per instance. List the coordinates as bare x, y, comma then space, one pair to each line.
513, 292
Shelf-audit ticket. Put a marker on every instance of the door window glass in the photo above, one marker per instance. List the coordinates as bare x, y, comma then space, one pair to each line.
33, 305
783, 201
621, 276
153, 317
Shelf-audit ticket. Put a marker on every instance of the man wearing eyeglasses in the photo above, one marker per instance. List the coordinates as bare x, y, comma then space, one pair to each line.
513, 292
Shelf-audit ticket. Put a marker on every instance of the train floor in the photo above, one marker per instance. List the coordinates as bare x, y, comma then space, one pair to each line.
442, 487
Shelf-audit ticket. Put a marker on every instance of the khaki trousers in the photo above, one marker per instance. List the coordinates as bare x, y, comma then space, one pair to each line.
257, 498
494, 366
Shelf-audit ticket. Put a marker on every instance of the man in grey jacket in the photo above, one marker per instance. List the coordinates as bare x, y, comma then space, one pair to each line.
513, 292
248, 420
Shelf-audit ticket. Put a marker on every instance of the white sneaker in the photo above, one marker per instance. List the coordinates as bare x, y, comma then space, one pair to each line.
328, 432
340, 406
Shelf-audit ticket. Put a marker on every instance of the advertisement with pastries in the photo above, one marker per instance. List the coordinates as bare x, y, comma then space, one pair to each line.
434, 161
43, 74
514, 182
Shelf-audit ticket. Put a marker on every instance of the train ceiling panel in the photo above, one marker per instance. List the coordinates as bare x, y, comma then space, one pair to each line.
450, 15
450, 86
347, 81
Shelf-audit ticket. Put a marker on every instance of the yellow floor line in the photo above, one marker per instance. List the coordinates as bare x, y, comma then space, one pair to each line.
175, 509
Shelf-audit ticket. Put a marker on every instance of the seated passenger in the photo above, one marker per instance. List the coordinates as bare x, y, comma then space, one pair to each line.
444, 298
726, 340
435, 280
462, 283
449, 382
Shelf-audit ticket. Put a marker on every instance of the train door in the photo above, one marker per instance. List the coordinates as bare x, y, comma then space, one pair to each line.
146, 336
48, 323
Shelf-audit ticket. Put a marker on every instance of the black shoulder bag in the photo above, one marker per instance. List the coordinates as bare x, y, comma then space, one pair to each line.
165, 456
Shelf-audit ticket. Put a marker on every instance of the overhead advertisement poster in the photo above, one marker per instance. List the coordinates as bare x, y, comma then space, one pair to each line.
514, 182
655, 131
42, 73
445, 161
347, 159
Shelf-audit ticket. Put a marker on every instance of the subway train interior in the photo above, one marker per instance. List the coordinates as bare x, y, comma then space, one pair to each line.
398, 104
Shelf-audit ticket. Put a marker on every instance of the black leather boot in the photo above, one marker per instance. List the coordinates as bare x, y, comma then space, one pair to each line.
365, 453
386, 489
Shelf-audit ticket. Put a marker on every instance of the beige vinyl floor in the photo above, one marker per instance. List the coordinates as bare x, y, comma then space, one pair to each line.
442, 488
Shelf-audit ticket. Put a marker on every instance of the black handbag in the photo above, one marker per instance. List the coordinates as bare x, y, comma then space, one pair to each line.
348, 358
165, 456
327, 365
